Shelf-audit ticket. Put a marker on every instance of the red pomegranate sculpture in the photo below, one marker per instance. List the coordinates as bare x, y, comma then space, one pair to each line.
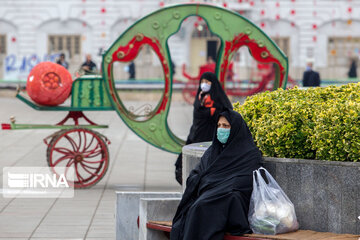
49, 84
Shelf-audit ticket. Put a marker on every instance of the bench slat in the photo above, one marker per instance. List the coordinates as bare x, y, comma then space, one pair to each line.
159, 227
166, 227
298, 235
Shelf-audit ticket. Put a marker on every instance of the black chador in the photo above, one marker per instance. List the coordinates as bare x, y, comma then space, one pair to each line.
218, 190
207, 106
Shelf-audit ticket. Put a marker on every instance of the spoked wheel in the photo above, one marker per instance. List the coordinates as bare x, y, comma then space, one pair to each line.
84, 150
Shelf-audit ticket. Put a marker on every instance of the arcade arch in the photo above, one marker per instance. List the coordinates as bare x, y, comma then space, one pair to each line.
8, 36
340, 42
71, 37
286, 36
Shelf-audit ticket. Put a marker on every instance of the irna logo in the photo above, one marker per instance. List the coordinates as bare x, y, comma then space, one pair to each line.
36, 180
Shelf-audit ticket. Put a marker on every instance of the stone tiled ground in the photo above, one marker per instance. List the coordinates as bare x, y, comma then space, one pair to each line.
135, 166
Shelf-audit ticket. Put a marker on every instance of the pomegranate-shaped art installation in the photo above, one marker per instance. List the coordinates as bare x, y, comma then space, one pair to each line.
49, 84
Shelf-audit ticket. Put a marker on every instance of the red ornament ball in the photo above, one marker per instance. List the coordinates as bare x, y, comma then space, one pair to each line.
49, 84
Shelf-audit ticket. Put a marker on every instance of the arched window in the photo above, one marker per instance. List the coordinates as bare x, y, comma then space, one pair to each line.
8, 33
70, 43
283, 43
2, 44
286, 36
341, 45
71, 37
341, 49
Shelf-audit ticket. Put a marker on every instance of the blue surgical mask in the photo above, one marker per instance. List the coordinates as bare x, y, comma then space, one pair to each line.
205, 87
223, 134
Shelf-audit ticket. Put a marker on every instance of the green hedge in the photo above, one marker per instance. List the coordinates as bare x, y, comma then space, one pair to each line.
317, 123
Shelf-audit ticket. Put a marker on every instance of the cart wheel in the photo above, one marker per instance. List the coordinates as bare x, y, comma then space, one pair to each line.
83, 149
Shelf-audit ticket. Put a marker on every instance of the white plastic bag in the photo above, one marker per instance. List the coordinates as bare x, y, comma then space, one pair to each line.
271, 211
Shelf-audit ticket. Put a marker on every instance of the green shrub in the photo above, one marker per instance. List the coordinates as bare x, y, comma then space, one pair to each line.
317, 123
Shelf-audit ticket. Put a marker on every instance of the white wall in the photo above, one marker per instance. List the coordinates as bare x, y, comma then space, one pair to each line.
29, 22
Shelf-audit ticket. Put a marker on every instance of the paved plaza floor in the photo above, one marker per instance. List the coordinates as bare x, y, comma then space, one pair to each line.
134, 166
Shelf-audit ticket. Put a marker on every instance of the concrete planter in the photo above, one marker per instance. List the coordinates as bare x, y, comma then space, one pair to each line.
326, 194
128, 209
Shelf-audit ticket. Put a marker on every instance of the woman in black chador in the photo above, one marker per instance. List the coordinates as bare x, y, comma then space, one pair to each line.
210, 100
218, 190
352, 71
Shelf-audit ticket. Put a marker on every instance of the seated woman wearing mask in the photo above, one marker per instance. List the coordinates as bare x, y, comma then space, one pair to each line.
217, 195
210, 100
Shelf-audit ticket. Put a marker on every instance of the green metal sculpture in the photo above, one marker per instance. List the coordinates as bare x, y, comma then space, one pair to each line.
154, 30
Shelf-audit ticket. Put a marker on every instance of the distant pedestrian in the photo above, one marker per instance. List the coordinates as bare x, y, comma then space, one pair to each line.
62, 61
310, 77
211, 64
89, 66
352, 71
173, 67
132, 71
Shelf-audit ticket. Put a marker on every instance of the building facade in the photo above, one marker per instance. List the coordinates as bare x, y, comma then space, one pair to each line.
31, 31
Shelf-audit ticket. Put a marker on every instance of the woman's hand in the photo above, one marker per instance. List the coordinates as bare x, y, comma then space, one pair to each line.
201, 92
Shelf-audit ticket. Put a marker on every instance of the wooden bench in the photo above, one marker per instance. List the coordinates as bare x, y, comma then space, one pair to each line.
298, 235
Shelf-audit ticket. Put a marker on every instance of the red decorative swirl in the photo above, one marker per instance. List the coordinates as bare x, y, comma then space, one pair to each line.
130, 51
256, 51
